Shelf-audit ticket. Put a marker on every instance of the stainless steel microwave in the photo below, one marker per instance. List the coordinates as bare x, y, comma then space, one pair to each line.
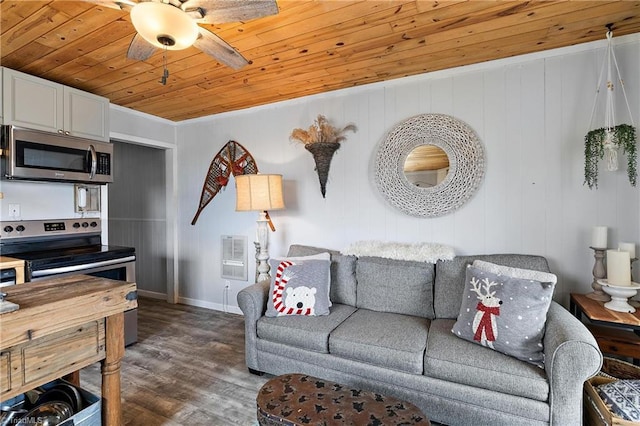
36, 155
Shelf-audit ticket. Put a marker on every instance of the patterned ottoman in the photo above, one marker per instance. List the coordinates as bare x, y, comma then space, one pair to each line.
296, 399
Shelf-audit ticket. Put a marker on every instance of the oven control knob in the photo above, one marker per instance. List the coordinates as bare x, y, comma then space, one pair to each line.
76, 225
85, 225
93, 224
8, 228
19, 228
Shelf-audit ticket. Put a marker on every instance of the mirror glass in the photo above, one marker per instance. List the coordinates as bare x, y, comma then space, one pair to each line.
426, 166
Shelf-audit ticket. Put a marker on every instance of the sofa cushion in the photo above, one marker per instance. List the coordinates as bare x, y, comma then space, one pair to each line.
450, 358
506, 313
343, 272
397, 286
397, 341
299, 286
450, 278
304, 332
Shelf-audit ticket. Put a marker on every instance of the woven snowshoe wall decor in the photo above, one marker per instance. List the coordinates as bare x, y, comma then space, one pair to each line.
234, 159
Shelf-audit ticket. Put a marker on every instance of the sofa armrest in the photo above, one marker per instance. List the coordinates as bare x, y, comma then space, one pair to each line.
252, 301
571, 357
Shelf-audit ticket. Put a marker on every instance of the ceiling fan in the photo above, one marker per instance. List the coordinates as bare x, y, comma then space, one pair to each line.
173, 25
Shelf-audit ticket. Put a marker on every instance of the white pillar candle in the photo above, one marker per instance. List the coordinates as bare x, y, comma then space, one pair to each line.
618, 267
630, 247
599, 237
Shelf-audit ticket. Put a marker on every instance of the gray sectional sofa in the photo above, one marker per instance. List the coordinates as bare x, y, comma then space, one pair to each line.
389, 331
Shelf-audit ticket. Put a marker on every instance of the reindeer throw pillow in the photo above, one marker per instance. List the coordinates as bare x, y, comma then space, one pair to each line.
299, 286
506, 312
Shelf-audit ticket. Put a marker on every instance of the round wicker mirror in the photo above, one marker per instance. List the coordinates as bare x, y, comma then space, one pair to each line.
466, 165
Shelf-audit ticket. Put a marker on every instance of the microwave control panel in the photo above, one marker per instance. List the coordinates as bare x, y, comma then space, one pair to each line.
104, 164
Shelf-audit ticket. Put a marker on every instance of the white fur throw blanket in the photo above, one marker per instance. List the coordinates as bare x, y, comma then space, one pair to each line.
419, 252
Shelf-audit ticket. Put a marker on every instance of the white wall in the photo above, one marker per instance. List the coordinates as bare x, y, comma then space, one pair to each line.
530, 112
134, 126
39, 200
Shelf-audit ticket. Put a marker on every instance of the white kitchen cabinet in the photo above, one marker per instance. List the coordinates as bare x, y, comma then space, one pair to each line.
86, 115
40, 104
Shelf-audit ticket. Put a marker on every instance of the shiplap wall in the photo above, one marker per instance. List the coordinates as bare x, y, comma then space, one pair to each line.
531, 114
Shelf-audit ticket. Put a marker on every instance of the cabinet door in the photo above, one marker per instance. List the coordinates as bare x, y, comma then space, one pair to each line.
31, 101
86, 115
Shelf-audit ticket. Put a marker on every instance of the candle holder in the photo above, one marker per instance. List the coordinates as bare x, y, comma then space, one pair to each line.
632, 302
620, 295
599, 272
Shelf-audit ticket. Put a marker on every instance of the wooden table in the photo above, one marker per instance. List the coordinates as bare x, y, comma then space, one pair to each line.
63, 325
616, 332
11, 263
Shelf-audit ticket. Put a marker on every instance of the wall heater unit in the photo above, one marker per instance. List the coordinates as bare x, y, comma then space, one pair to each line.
234, 257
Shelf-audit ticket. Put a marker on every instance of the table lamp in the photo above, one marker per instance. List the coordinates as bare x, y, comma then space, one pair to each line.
258, 192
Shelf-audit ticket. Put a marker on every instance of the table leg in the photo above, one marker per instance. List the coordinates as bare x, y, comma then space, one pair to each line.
114, 351
73, 378
573, 308
636, 358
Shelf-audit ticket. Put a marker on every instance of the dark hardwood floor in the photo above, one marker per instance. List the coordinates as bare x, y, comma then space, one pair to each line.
186, 369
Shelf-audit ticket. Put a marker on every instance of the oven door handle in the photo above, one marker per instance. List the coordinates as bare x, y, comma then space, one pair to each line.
79, 268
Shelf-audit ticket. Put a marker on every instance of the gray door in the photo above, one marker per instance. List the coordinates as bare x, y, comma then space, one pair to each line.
137, 211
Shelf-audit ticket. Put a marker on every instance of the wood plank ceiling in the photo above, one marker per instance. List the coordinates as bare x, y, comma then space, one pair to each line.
309, 47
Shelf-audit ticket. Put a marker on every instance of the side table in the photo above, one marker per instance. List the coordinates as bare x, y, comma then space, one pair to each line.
617, 333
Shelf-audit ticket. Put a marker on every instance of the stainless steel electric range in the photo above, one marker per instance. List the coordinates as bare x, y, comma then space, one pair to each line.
53, 248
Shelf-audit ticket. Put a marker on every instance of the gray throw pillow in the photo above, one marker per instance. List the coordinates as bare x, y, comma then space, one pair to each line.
505, 313
299, 286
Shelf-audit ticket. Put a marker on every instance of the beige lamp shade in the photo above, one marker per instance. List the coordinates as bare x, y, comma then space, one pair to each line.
259, 192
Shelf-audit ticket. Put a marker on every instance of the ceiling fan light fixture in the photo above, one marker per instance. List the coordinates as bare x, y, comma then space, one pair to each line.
164, 25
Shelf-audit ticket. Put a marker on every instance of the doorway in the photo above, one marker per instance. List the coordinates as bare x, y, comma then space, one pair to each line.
137, 212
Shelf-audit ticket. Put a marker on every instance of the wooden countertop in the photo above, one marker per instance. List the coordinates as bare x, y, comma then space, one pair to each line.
57, 304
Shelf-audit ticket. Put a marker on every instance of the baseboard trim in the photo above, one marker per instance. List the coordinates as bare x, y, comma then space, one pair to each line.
209, 305
152, 294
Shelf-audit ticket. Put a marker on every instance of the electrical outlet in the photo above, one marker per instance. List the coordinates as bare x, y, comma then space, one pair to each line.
14, 210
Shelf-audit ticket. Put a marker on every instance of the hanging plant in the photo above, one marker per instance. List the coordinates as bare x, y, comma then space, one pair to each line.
322, 140
597, 141
607, 141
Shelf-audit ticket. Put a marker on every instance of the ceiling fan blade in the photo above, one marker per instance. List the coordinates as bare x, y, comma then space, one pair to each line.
221, 11
140, 49
216, 47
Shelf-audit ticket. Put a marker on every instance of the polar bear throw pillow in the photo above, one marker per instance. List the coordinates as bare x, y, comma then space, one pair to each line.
299, 286
505, 309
